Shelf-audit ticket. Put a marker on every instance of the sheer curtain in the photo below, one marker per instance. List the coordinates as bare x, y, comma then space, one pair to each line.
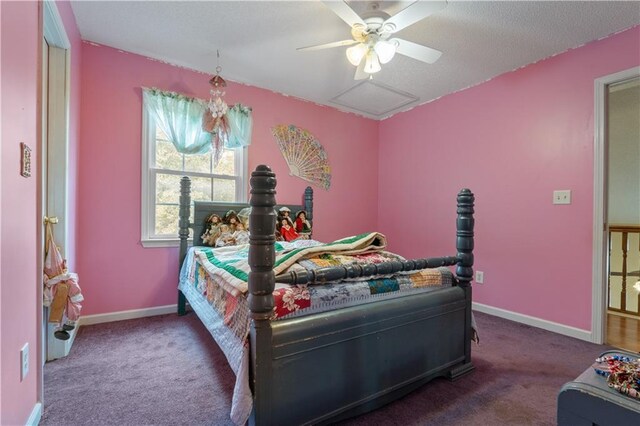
240, 123
180, 118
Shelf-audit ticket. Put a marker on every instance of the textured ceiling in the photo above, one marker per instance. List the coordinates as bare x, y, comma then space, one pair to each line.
258, 40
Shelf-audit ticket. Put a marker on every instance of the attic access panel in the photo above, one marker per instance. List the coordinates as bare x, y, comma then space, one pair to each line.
373, 98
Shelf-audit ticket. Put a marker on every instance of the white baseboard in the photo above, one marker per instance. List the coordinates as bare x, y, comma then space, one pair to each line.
125, 315
533, 321
35, 416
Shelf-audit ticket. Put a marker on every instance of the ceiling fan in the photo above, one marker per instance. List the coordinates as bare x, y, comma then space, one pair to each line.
372, 35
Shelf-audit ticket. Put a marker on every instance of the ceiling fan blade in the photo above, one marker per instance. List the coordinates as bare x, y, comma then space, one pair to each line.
412, 14
360, 74
345, 12
329, 45
416, 51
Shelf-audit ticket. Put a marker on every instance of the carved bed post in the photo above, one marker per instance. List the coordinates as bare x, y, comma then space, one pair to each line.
464, 233
262, 226
464, 270
183, 231
308, 204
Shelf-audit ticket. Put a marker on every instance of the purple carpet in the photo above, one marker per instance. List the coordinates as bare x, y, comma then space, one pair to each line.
168, 370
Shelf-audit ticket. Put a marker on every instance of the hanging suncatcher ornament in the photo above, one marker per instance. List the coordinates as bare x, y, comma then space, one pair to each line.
214, 119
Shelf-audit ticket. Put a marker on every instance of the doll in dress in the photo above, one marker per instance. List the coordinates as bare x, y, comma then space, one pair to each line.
213, 230
241, 235
302, 224
284, 212
226, 236
231, 230
287, 231
231, 220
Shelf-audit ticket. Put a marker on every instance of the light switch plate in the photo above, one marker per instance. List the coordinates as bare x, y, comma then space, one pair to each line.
24, 361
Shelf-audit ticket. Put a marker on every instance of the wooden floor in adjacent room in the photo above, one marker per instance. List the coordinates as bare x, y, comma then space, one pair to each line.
623, 332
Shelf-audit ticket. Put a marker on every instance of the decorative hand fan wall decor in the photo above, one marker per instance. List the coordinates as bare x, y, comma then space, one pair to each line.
304, 155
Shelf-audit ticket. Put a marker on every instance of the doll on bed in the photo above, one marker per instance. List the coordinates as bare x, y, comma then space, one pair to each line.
241, 235
284, 212
212, 232
302, 224
226, 236
231, 219
232, 231
285, 229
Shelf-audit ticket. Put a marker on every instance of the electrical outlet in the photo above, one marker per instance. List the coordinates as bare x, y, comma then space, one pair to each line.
479, 277
24, 361
562, 196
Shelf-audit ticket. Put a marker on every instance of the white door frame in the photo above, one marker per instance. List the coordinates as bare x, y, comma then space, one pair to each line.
600, 252
55, 35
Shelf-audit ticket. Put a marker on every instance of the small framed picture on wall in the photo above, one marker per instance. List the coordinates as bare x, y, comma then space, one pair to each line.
25, 155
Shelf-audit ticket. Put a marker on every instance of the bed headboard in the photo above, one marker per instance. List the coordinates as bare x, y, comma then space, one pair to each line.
203, 209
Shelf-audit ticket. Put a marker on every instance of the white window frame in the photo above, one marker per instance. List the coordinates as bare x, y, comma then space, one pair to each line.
148, 237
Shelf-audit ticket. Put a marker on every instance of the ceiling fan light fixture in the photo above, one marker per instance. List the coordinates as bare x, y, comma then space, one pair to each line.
385, 50
372, 64
356, 53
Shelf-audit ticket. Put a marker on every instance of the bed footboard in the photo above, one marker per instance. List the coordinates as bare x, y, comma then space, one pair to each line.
324, 367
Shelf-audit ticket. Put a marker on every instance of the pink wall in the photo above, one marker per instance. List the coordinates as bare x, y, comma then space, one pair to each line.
116, 272
19, 323
20, 222
512, 140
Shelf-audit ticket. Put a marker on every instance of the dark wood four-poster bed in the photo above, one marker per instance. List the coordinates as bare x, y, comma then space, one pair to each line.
325, 366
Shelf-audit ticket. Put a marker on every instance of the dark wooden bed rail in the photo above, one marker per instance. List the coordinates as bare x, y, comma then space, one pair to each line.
262, 251
335, 273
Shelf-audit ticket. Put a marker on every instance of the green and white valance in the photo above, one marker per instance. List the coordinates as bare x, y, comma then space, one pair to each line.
180, 118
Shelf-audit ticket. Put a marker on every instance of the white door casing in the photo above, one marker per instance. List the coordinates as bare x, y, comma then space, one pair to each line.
53, 158
600, 237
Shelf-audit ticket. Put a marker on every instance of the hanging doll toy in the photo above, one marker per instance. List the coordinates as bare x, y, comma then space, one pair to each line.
214, 222
62, 293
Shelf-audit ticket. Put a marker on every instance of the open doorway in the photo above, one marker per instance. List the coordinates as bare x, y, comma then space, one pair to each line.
616, 262
623, 214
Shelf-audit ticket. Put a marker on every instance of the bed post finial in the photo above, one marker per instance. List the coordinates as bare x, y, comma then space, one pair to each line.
464, 241
262, 226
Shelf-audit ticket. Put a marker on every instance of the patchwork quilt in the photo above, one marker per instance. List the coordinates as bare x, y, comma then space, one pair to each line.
216, 278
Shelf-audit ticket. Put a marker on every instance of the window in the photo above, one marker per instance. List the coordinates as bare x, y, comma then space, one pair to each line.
163, 167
